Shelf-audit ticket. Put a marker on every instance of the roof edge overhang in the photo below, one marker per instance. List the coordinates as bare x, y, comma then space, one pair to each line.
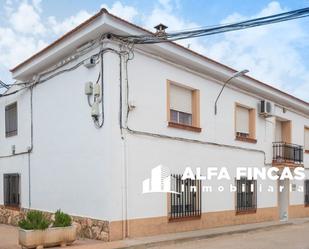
59, 40
100, 22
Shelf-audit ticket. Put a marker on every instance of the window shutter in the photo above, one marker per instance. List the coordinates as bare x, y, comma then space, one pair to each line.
11, 119
180, 99
306, 139
242, 119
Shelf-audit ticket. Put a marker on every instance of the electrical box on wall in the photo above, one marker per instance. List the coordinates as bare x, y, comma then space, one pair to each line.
13, 148
88, 88
89, 63
95, 110
97, 90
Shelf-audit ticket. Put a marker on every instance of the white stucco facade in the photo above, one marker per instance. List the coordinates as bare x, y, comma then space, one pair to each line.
98, 173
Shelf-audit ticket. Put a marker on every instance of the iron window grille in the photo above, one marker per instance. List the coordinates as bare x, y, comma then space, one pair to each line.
246, 196
286, 152
187, 203
306, 183
11, 187
11, 120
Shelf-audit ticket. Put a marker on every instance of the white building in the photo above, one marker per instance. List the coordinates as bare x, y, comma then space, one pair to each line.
158, 104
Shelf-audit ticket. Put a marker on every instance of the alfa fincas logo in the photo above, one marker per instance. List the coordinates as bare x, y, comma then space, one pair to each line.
160, 181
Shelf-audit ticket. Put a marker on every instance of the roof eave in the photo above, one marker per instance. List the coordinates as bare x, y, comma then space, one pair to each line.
167, 47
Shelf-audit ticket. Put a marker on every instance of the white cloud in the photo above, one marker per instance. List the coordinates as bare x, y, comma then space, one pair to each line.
25, 33
60, 27
124, 11
26, 19
271, 53
37, 5
15, 48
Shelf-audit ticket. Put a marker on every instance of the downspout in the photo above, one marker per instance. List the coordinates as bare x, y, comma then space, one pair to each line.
128, 56
125, 228
125, 225
30, 149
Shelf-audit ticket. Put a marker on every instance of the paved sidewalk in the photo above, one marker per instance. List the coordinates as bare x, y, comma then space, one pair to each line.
9, 236
284, 237
174, 238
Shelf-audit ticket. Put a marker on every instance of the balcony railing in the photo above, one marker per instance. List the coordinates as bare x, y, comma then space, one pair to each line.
287, 153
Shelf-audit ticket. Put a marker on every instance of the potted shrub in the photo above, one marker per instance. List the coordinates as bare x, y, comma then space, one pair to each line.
36, 230
31, 232
62, 232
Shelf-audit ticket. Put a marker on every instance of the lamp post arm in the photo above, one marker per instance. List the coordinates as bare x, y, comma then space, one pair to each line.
226, 82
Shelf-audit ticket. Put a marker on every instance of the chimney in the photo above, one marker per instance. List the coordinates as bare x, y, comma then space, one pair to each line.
160, 30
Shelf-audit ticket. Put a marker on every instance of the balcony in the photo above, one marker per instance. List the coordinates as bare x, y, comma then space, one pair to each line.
287, 154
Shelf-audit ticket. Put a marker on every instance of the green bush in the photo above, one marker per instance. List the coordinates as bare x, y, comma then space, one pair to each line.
35, 220
62, 219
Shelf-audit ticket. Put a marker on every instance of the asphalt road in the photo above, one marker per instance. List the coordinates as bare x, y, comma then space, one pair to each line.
287, 237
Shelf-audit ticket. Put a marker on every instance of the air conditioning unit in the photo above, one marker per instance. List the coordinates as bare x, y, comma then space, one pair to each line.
265, 108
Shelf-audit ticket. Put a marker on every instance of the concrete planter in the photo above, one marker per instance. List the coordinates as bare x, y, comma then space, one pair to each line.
55, 236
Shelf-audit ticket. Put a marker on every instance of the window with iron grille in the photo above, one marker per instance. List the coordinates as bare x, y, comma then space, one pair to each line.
246, 199
187, 201
306, 188
11, 190
11, 120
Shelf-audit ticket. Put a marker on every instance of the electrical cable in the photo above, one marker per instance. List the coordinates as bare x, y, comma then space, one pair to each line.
174, 36
11, 93
88, 96
97, 123
163, 136
3, 85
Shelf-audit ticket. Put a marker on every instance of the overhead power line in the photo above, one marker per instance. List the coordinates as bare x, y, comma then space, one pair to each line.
2, 84
256, 22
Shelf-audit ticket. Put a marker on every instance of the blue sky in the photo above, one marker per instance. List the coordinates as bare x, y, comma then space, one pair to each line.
276, 54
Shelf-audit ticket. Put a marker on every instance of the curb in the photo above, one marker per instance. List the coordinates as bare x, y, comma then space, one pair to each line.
204, 236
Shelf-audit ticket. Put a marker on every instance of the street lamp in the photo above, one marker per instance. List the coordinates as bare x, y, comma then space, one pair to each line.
235, 75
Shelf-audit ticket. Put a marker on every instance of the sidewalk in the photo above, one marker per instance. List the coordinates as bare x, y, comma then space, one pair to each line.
9, 236
173, 238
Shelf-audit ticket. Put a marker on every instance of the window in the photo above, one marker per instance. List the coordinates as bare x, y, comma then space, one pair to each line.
246, 197
306, 188
183, 107
181, 117
11, 120
245, 123
188, 202
11, 190
306, 144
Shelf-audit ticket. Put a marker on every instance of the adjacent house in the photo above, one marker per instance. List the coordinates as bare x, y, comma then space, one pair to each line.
91, 117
